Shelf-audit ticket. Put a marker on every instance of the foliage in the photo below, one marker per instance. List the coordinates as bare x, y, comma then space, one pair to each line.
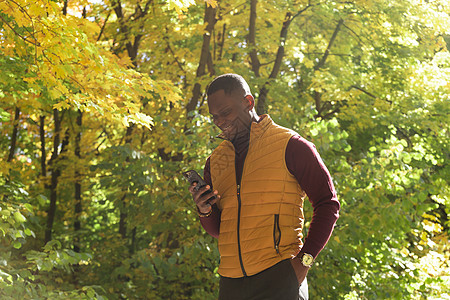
102, 108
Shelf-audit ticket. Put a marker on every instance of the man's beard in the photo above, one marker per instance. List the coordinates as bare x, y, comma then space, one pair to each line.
237, 129
240, 131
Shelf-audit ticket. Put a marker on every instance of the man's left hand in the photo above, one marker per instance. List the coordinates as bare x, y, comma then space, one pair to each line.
300, 269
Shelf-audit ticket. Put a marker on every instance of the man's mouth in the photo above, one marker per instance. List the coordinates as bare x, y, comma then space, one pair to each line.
227, 128
228, 132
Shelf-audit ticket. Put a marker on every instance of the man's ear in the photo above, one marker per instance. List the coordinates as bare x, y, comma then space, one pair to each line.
249, 102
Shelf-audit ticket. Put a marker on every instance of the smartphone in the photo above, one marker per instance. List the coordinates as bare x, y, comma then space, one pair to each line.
192, 176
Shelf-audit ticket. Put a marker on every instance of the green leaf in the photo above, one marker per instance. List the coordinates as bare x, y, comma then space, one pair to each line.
4, 115
19, 217
42, 200
28, 232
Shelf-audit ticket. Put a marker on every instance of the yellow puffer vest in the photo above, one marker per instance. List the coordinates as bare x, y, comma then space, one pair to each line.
262, 219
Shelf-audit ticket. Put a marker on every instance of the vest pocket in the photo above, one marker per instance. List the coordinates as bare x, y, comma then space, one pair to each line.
276, 233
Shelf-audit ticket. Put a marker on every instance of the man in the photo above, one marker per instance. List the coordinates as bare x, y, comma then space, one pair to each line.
261, 174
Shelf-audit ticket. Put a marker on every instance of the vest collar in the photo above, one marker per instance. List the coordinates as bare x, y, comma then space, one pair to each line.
256, 129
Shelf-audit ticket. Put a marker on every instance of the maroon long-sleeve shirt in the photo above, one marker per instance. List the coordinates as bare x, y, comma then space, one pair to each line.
304, 162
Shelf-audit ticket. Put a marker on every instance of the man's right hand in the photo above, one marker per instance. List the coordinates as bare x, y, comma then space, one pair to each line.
201, 198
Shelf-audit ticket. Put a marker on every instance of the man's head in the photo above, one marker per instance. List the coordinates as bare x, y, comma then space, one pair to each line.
229, 83
231, 105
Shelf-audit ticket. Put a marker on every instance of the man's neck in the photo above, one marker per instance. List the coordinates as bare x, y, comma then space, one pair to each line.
241, 141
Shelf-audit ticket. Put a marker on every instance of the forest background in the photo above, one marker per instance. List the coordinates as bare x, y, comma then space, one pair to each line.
103, 105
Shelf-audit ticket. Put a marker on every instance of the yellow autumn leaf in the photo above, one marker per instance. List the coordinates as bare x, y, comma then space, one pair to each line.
308, 63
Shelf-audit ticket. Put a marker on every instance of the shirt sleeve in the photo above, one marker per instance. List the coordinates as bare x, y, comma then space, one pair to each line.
304, 162
211, 224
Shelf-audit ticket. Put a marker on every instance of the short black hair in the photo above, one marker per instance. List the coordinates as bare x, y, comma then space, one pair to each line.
229, 83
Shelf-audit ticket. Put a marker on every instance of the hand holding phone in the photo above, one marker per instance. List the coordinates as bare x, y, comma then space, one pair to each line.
192, 176
203, 197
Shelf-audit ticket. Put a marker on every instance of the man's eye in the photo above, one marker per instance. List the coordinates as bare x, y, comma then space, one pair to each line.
226, 113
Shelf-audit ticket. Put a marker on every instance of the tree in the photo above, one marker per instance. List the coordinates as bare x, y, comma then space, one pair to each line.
103, 107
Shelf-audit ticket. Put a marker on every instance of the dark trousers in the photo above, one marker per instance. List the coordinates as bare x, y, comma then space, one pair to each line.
278, 282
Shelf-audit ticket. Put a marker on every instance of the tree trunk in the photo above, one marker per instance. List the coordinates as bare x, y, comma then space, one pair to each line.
123, 214
54, 177
123, 221
56, 172
132, 48
261, 105
251, 40
210, 21
221, 44
64, 10
43, 151
316, 95
78, 204
132, 248
12, 147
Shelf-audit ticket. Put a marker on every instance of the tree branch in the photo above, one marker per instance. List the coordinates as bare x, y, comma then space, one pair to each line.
260, 106
227, 12
18, 34
322, 61
210, 21
370, 94
364, 91
354, 33
316, 95
103, 26
254, 60
166, 38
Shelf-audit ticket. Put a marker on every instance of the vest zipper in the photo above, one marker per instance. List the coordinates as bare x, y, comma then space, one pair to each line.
238, 229
238, 183
276, 233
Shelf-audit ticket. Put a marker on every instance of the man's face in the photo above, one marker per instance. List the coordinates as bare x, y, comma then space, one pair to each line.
230, 113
